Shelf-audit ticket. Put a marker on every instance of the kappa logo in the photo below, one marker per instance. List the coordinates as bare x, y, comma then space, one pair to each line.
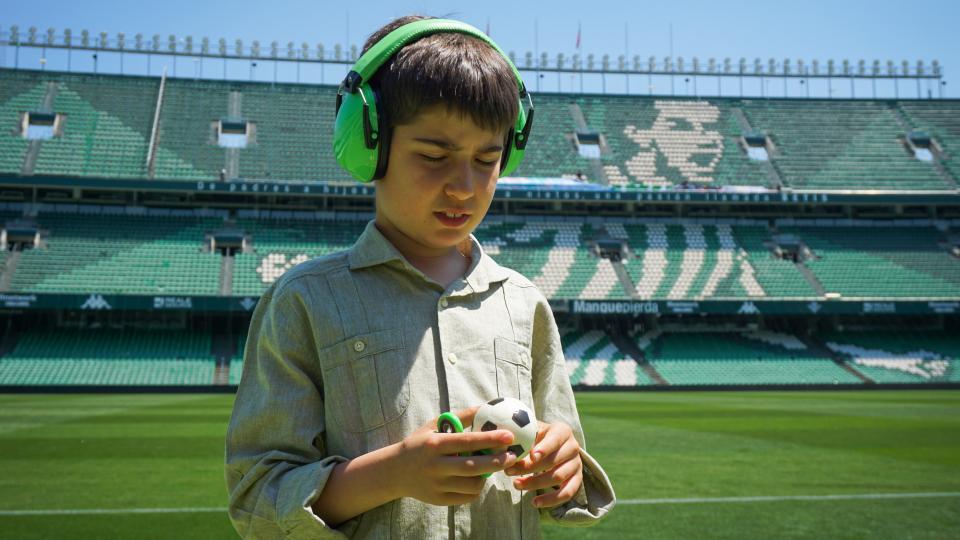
748, 308
95, 301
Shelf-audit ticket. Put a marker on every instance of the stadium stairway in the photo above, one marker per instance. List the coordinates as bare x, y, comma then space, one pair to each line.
9, 267
222, 347
773, 176
821, 349
811, 279
226, 274
599, 175
628, 286
629, 347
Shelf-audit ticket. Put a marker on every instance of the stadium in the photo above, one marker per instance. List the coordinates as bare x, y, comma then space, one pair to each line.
773, 278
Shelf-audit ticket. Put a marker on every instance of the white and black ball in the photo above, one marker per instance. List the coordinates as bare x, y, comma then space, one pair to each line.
512, 415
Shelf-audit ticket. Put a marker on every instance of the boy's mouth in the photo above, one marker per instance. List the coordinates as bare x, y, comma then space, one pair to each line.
452, 219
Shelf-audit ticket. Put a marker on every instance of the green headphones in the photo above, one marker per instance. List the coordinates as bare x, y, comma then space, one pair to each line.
361, 140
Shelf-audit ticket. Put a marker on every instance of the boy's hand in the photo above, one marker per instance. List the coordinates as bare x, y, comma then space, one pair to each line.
430, 468
553, 462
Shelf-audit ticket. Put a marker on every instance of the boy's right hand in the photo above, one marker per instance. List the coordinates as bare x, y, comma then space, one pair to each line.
431, 469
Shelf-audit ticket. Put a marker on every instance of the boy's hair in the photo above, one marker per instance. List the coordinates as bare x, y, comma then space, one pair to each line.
466, 74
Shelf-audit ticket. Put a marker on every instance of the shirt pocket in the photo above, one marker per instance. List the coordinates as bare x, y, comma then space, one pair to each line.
365, 380
513, 370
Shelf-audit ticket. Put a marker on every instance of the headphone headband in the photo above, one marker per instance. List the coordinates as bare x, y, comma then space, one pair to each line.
361, 133
368, 63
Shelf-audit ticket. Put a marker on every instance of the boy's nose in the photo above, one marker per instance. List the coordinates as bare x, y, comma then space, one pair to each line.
460, 186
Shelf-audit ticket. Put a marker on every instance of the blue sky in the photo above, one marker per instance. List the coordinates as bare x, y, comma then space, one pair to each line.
881, 29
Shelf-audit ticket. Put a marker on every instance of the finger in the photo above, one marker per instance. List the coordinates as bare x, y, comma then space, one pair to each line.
536, 463
466, 485
456, 443
562, 495
466, 416
554, 477
549, 439
476, 465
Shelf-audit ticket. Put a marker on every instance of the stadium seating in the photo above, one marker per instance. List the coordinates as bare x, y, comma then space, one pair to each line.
552, 152
901, 261
106, 130
664, 142
109, 357
900, 357
719, 358
647, 142
120, 253
294, 133
942, 120
662, 259
278, 245
593, 360
840, 145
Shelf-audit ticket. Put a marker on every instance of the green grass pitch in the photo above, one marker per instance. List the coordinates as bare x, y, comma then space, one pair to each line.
101, 452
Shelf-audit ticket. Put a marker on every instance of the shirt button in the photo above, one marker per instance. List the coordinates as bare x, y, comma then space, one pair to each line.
452, 358
443, 302
359, 346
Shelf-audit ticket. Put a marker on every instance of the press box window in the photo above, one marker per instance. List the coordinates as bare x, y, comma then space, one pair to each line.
920, 144
756, 145
39, 126
588, 144
233, 133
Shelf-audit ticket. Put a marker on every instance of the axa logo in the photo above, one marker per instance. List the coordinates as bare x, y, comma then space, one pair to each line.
95, 301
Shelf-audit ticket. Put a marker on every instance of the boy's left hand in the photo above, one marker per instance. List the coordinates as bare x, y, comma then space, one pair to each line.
553, 462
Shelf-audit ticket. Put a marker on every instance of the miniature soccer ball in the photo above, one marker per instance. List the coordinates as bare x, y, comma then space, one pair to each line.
512, 415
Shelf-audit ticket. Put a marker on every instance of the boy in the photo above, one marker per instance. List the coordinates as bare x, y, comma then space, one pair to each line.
351, 357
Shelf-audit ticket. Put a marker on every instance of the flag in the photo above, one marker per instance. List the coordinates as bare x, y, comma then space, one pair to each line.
578, 35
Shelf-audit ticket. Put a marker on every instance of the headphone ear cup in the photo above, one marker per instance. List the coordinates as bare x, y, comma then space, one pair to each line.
507, 151
349, 144
386, 135
512, 154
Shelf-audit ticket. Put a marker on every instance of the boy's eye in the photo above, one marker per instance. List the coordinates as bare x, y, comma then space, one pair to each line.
487, 163
432, 159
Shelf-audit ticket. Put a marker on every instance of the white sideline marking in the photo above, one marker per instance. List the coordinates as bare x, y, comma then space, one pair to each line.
791, 498
88, 511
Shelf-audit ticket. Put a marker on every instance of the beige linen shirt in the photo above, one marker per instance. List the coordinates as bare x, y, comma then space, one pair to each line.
353, 351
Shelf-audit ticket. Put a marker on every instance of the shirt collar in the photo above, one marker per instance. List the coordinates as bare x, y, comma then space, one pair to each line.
372, 248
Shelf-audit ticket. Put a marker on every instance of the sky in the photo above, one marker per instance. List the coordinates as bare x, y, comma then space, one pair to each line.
813, 29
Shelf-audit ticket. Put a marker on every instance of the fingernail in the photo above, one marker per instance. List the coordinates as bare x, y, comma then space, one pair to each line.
536, 456
511, 471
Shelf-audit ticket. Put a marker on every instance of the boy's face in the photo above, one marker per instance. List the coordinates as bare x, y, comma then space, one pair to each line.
440, 163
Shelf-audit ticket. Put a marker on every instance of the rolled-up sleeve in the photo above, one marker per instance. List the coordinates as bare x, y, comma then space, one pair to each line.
276, 460
554, 402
